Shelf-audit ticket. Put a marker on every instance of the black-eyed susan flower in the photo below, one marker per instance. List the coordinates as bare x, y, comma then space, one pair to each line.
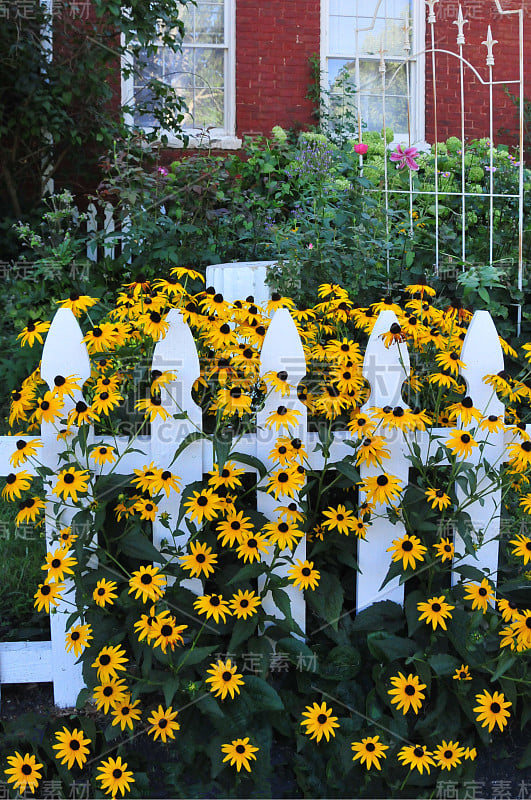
33, 333
234, 401
148, 582
103, 454
82, 414
213, 606
77, 638
417, 756
109, 660
125, 713
407, 692
104, 593
239, 753
163, 723
370, 751
339, 519
394, 335
381, 488
409, 549
16, 483
166, 633
480, 594
228, 476
521, 626
101, 337
78, 303
303, 574
492, 710
71, 481
152, 407
251, 547
462, 673
283, 417
234, 528
372, 451
290, 512
509, 609
29, 510
154, 324
49, 409
445, 549
278, 381
244, 604
224, 679
319, 721
492, 424
145, 477
435, 611
48, 594
522, 547
450, 361
24, 772
438, 498
109, 694
104, 402
460, 443
203, 505
66, 386
25, 449
286, 481
283, 534
520, 455
200, 561
165, 481
71, 746
115, 777
464, 411
58, 563
146, 509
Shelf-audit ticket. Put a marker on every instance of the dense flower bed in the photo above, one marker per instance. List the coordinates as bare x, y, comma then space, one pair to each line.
226, 681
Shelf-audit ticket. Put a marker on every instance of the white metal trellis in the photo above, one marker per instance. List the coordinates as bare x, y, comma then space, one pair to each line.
488, 80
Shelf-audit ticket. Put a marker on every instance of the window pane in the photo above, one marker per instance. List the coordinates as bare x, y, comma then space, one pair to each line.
396, 113
209, 23
209, 67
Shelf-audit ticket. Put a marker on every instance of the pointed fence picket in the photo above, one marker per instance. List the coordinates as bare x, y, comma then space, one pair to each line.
385, 369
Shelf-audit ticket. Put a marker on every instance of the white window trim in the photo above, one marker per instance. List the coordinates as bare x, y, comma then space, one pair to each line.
418, 90
217, 138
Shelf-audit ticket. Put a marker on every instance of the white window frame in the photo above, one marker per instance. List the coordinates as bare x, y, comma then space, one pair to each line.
418, 82
220, 138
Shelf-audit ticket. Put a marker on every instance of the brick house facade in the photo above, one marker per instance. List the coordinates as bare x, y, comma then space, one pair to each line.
268, 47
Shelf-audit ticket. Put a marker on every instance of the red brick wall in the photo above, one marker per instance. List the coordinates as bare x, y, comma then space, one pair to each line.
480, 13
274, 41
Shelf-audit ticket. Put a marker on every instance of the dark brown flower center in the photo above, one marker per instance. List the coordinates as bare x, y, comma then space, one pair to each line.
321, 719
166, 630
226, 676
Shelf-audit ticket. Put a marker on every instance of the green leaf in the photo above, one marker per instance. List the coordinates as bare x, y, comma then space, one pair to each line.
525, 761
298, 653
341, 664
137, 545
443, 664
222, 448
243, 629
170, 689
192, 437
327, 599
346, 469
505, 662
390, 647
195, 656
251, 461
264, 697
377, 616
247, 572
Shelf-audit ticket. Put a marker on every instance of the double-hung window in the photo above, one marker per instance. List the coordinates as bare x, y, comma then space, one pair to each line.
373, 64
203, 74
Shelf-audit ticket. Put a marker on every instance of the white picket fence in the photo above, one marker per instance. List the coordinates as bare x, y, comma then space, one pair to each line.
385, 369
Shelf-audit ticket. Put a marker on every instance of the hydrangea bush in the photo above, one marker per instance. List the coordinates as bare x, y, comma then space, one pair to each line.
201, 684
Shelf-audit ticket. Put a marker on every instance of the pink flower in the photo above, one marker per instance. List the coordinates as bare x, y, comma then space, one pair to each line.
405, 158
310, 246
162, 171
361, 148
